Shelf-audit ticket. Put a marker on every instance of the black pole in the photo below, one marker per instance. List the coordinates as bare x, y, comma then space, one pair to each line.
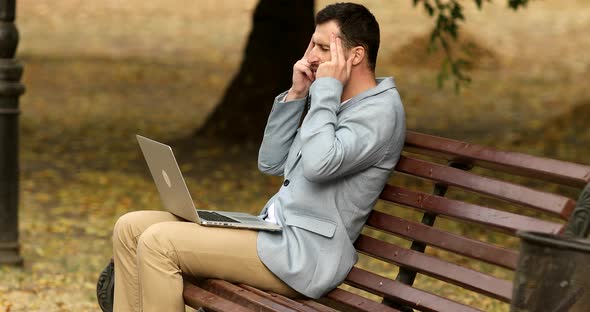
10, 91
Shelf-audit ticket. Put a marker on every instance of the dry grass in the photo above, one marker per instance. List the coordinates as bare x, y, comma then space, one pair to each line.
98, 72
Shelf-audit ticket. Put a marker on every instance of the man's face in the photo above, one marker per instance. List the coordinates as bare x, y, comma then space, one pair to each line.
321, 39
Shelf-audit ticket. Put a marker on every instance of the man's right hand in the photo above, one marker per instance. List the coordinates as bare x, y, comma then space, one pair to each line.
303, 76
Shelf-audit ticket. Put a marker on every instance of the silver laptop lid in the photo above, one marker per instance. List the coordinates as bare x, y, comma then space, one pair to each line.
168, 178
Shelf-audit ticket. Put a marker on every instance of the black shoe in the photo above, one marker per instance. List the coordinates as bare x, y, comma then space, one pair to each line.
105, 288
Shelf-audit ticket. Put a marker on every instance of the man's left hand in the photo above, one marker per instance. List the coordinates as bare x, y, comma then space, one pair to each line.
337, 67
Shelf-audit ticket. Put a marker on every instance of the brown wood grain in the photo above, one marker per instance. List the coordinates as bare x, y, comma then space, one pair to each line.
551, 170
316, 305
437, 268
243, 297
416, 298
448, 241
500, 220
347, 301
197, 297
552, 203
282, 300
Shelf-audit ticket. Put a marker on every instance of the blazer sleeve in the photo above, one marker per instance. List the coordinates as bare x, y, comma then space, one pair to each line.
333, 147
279, 133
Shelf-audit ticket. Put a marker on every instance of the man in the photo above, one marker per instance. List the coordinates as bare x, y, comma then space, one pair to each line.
335, 165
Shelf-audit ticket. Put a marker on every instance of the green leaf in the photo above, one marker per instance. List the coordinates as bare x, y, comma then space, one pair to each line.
429, 8
515, 4
457, 12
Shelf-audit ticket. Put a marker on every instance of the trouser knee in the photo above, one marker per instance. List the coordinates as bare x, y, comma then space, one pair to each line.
124, 230
156, 241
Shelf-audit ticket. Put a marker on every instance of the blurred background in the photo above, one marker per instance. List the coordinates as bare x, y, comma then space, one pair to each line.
99, 72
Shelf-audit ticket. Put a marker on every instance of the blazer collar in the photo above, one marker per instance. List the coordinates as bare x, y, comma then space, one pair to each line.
383, 84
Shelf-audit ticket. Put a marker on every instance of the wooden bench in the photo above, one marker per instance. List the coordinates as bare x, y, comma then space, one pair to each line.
485, 194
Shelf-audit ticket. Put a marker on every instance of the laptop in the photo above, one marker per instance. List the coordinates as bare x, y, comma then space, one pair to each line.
177, 199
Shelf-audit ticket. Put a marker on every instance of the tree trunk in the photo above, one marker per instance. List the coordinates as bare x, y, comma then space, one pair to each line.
280, 33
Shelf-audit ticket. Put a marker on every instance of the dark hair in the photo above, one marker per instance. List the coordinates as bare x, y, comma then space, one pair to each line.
358, 27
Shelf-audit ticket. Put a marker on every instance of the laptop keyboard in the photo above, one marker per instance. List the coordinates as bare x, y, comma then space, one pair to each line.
214, 216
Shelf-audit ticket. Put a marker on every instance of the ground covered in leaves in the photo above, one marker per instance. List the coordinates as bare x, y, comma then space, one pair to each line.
113, 69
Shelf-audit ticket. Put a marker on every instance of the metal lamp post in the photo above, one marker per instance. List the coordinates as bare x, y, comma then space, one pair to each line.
10, 91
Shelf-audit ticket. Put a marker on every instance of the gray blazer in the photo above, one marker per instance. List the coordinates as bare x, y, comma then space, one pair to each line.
334, 169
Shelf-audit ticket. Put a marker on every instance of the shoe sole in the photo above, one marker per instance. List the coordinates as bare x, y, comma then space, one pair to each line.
105, 288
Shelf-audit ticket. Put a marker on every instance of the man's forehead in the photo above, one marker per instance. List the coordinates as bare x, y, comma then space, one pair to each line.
320, 39
323, 31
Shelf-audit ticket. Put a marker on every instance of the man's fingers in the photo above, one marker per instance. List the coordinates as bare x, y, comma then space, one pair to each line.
309, 74
349, 64
305, 69
301, 65
309, 48
303, 62
333, 51
340, 51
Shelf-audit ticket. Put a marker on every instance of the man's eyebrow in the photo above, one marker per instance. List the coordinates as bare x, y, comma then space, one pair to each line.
322, 45
315, 42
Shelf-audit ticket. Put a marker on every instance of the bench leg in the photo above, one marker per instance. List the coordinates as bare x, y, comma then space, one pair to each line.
405, 275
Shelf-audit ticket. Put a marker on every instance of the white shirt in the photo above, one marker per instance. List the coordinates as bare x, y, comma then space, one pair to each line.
271, 217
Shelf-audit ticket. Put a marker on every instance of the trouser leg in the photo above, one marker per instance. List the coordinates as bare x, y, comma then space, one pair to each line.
167, 250
125, 236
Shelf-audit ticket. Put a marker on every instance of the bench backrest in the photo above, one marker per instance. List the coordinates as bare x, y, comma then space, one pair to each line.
489, 191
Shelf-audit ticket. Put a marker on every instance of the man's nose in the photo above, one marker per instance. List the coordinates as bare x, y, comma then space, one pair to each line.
313, 59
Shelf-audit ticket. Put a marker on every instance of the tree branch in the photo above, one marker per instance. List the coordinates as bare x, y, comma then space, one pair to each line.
449, 13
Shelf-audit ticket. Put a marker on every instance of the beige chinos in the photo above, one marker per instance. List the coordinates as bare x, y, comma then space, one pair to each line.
153, 249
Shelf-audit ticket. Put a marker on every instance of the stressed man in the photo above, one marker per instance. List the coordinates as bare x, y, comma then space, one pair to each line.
335, 164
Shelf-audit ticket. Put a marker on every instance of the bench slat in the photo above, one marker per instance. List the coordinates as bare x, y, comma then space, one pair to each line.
555, 204
437, 268
501, 220
348, 301
319, 307
282, 300
400, 292
197, 297
551, 170
448, 241
243, 297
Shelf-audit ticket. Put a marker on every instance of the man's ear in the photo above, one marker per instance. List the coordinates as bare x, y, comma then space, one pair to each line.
358, 55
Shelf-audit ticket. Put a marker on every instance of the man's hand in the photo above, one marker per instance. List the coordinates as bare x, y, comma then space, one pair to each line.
303, 76
338, 67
